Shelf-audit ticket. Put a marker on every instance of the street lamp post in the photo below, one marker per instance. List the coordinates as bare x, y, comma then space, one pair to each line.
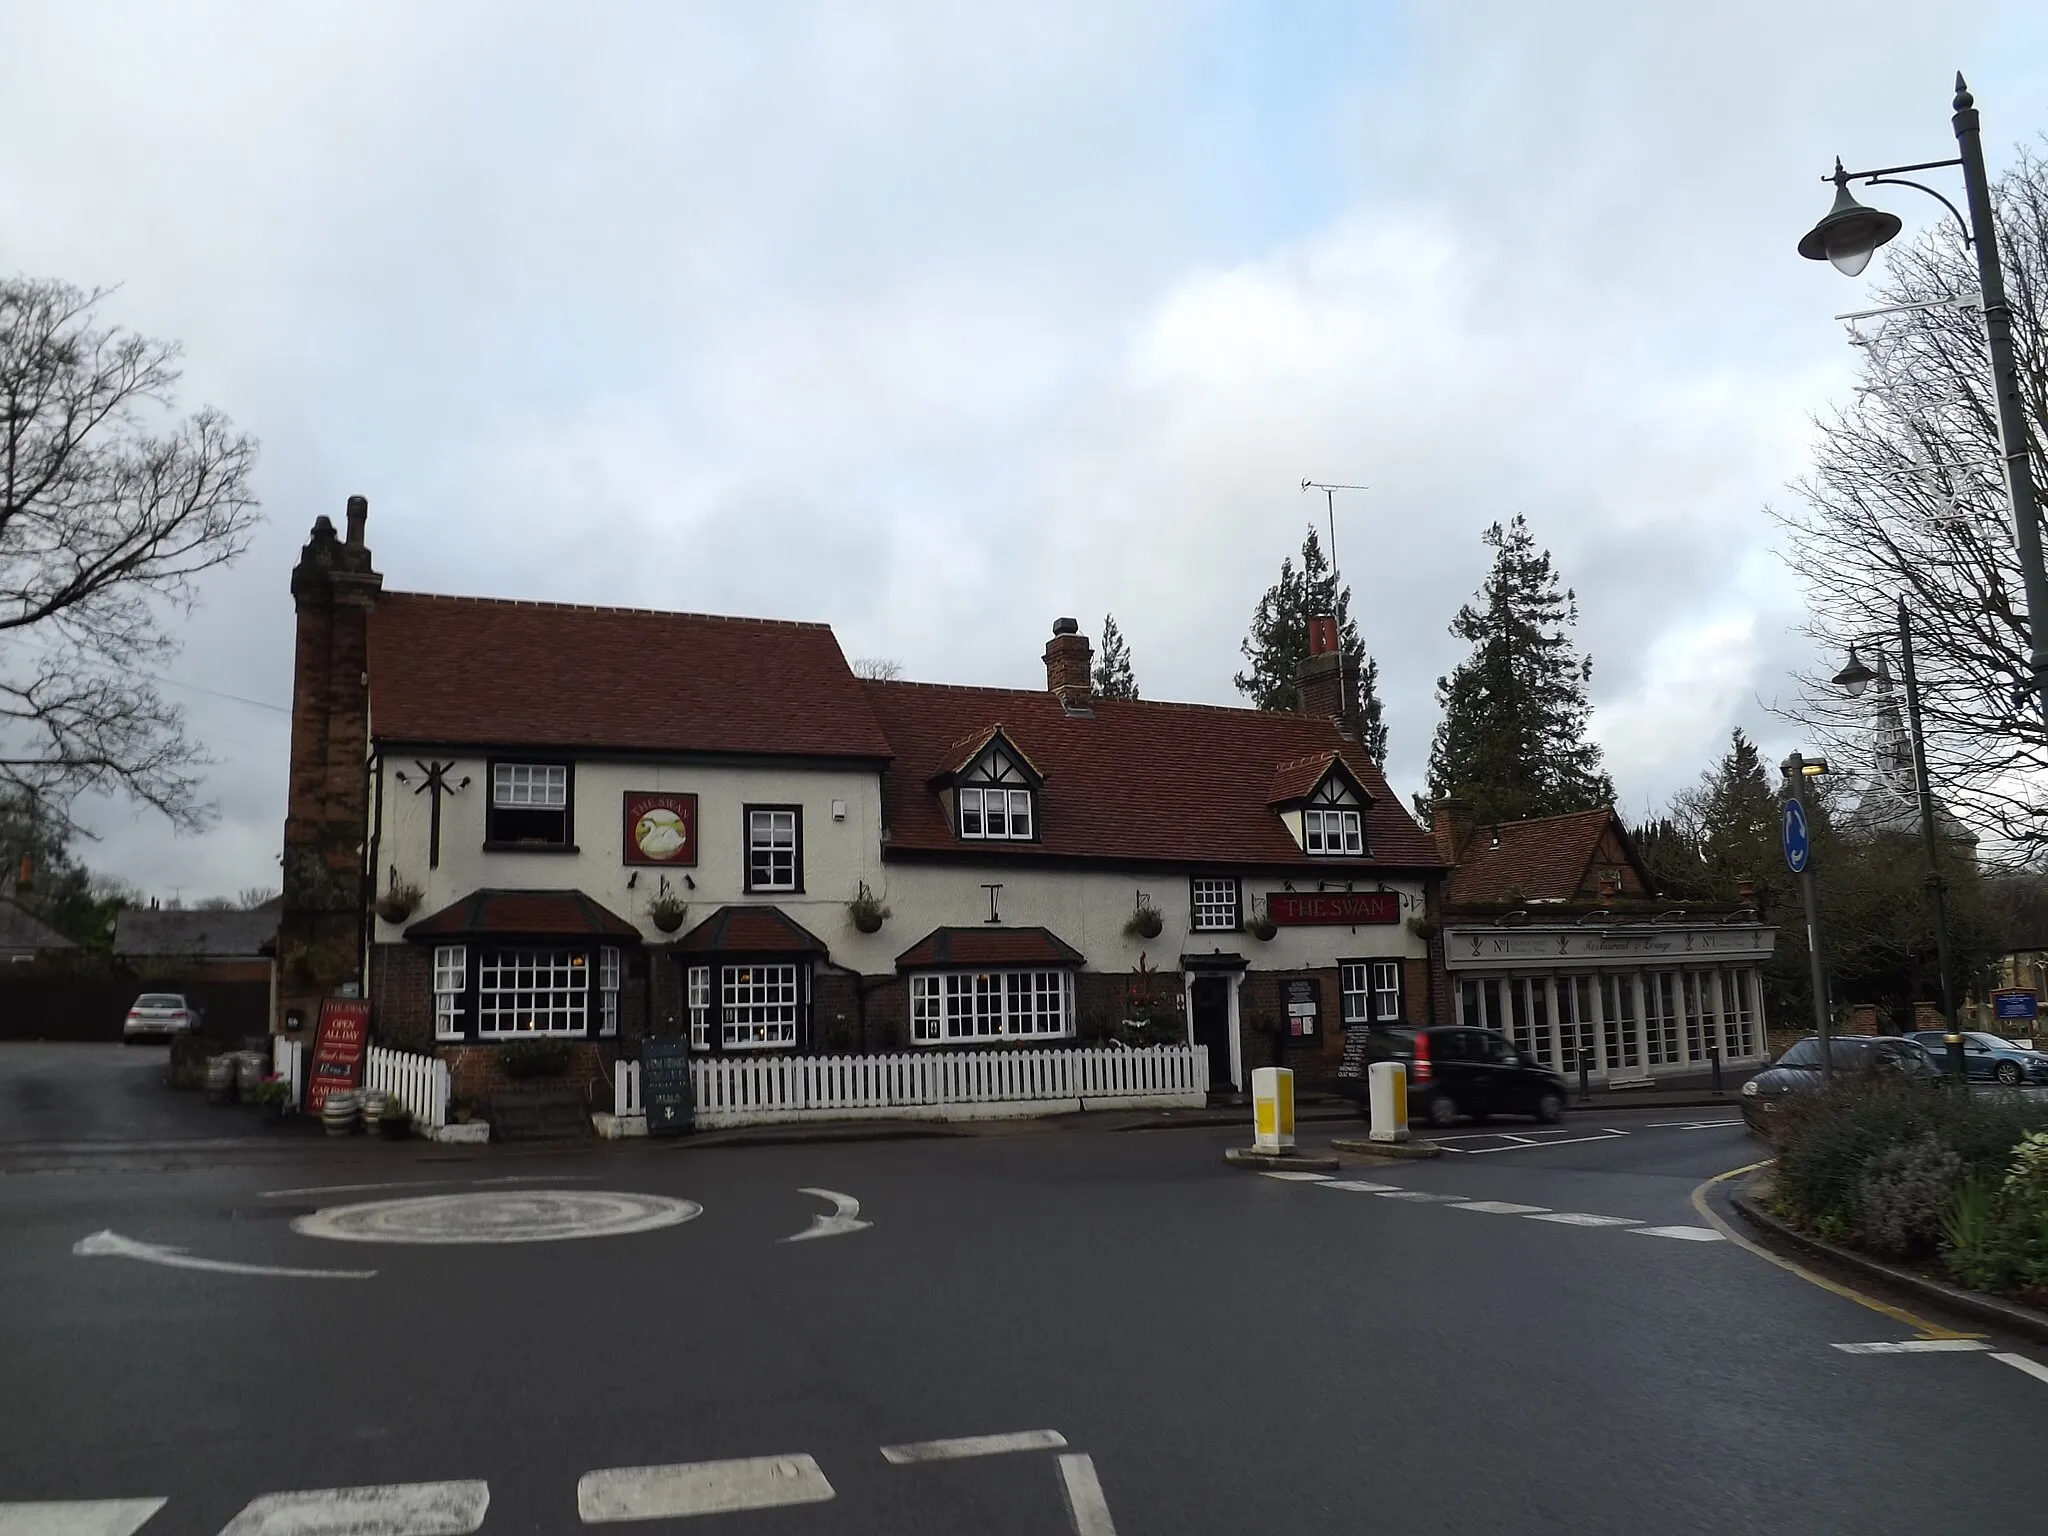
1854, 678
1849, 234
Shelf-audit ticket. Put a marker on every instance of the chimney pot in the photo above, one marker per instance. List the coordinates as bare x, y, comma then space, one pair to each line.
358, 514
1066, 626
1322, 635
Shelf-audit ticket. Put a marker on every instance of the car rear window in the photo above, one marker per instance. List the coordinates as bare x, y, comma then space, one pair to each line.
1391, 1042
1801, 1053
160, 1000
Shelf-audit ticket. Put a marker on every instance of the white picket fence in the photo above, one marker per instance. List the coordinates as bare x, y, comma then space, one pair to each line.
420, 1083
288, 1061
936, 1085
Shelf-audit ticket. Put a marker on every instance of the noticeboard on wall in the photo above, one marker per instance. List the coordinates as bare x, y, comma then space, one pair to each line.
1302, 1003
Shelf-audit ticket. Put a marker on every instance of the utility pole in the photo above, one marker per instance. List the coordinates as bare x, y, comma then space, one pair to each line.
1798, 844
1330, 490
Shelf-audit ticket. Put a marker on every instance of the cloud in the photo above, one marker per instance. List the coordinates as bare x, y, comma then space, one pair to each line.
938, 322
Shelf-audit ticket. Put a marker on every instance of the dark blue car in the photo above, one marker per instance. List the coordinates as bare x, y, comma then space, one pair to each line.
1990, 1057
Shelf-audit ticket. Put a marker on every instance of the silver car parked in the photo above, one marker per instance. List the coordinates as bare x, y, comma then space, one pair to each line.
159, 1016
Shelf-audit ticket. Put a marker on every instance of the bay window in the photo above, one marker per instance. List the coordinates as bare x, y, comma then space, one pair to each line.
953, 1006
759, 1007
532, 992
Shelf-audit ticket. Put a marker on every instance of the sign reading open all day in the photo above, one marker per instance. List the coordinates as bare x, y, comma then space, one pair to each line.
660, 828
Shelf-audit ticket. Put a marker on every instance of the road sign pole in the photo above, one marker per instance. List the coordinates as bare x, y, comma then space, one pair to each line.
1798, 842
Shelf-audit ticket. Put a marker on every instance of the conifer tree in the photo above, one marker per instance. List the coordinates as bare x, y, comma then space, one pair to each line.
1278, 644
1114, 678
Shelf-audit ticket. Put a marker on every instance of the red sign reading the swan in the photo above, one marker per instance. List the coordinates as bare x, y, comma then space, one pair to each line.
1301, 909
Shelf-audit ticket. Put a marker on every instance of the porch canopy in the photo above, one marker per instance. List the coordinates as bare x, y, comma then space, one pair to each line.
551, 916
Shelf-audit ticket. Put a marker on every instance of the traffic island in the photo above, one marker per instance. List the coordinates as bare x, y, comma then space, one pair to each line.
1279, 1162
1388, 1149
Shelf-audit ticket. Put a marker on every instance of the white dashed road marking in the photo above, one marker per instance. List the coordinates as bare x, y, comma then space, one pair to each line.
699, 1488
395, 1509
974, 1445
81, 1517
2022, 1363
1502, 1208
1421, 1195
1581, 1219
845, 1217
1359, 1186
1915, 1347
1532, 1146
1086, 1506
1683, 1234
1305, 1178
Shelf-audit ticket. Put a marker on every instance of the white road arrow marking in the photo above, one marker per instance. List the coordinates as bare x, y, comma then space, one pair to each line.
845, 1217
393, 1509
82, 1517
112, 1245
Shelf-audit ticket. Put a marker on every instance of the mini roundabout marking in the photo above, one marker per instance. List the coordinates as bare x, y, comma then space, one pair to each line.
498, 1216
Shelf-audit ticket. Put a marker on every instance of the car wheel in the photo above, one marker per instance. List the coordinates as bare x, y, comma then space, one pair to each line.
1550, 1109
1443, 1110
2009, 1073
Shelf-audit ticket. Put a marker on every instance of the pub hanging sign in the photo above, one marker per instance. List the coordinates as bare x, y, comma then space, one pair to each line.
1302, 909
660, 829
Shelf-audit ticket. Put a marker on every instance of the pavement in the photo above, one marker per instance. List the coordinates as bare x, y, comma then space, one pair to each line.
1088, 1332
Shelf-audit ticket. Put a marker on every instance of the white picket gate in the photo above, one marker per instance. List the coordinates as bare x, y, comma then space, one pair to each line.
626, 1089
420, 1083
936, 1085
288, 1061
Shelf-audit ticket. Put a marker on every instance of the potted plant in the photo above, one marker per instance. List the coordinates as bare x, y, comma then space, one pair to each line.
1146, 920
273, 1094
397, 1121
668, 911
1261, 925
400, 900
1422, 928
867, 911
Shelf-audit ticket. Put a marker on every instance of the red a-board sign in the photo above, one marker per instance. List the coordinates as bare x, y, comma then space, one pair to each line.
1301, 909
338, 1046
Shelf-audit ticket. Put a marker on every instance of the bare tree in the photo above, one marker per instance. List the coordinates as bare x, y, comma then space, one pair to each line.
877, 669
109, 509
1907, 499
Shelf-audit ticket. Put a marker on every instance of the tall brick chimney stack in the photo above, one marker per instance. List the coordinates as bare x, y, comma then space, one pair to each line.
25, 881
1319, 680
1451, 823
327, 808
1070, 665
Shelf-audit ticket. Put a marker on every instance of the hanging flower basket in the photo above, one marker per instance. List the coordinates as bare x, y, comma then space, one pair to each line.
867, 912
399, 902
1422, 928
1263, 928
668, 912
1146, 921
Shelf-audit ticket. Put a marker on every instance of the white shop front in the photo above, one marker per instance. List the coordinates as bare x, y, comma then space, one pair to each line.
1639, 1000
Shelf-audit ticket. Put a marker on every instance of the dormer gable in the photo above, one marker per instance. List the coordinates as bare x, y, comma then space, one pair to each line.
991, 790
1324, 806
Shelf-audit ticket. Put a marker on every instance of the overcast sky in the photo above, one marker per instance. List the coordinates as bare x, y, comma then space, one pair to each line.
940, 321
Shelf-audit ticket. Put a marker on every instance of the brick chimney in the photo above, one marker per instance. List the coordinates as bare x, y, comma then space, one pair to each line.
1319, 680
327, 806
1452, 823
25, 881
1070, 665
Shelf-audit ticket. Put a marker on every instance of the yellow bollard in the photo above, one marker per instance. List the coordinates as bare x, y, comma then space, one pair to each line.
1388, 1098
1272, 1109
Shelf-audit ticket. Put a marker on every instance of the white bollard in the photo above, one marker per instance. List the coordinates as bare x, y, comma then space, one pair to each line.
1387, 1094
1272, 1109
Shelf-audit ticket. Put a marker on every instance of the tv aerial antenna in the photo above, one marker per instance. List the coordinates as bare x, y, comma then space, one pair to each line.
1330, 489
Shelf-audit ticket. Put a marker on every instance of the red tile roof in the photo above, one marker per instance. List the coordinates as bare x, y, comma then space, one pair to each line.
1175, 783
751, 930
1546, 859
525, 915
1297, 780
481, 671
989, 947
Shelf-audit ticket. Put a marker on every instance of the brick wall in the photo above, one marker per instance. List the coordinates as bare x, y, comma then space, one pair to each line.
835, 1013
475, 1072
402, 996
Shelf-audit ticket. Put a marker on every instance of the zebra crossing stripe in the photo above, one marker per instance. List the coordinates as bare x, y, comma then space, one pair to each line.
699, 1488
392, 1509
78, 1517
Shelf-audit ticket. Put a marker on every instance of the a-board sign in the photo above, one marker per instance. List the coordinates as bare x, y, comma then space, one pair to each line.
339, 1040
665, 1085
1354, 1063
1298, 909
1302, 1001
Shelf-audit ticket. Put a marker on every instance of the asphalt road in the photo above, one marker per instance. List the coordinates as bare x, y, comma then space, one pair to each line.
1229, 1352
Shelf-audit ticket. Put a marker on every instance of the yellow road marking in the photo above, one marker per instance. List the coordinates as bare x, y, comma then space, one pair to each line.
1896, 1314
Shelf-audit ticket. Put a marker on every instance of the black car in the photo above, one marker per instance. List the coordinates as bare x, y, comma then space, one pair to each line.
1454, 1071
1798, 1070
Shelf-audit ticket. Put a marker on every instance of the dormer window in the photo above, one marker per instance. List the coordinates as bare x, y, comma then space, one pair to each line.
988, 812
994, 794
1329, 831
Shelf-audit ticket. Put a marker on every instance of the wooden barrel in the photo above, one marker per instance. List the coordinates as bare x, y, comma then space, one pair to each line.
220, 1079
